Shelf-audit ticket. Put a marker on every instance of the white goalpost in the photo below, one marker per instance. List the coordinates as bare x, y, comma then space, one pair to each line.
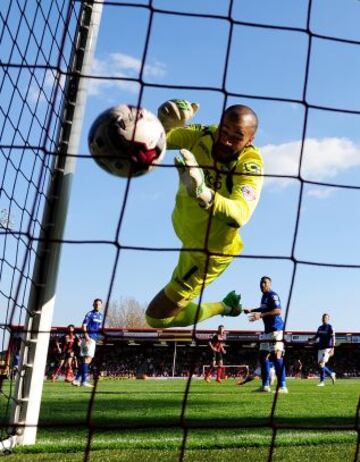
26, 397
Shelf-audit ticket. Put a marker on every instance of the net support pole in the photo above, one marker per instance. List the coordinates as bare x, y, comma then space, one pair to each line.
29, 384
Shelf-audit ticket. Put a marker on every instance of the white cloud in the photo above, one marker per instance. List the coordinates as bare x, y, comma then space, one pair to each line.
121, 65
320, 192
323, 159
326, 158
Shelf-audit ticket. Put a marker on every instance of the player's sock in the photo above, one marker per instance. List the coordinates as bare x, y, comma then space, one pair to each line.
79, 372
85, 371
328, 371
209, 372
322, 374
280, 372
69, 374
219, 373
186, 317
265, 372
156, 322
272, 373
56, 373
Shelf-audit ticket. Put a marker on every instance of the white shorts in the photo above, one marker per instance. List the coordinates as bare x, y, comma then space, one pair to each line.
275, 341
87, 348
325, 354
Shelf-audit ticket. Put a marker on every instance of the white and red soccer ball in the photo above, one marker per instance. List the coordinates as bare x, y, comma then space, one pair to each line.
127, 141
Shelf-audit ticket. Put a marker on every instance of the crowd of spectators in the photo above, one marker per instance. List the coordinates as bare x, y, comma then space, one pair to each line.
128, 361
141, 360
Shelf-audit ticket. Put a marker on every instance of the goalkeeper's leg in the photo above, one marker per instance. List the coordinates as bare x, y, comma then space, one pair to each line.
164, 312
172, 306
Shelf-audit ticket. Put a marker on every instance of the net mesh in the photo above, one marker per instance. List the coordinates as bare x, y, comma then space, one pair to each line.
37, 40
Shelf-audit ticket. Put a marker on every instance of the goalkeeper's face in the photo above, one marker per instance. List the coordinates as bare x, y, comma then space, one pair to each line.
232, 137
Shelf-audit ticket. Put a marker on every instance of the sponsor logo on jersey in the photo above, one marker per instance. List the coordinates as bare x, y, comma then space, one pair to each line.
213, 180
249, 193
252, 168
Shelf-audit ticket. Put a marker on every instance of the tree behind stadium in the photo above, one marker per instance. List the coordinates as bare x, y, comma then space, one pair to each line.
126, 312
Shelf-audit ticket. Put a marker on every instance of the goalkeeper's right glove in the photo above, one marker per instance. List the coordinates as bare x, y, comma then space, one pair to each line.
176, 112
192, 177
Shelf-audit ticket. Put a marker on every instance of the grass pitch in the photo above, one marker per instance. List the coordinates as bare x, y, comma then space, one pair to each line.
132, 420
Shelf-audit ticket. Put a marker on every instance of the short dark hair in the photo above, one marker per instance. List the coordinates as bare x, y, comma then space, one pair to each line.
265, 277
220, 326
236, 113
71, 325
97, 300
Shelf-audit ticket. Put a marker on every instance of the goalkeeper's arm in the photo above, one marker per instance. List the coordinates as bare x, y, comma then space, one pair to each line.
175, 113
239, 207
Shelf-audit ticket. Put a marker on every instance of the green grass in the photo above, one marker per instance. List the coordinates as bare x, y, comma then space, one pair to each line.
134, 420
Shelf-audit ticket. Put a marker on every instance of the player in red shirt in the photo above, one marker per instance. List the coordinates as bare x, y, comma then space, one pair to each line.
216, 345
67, 347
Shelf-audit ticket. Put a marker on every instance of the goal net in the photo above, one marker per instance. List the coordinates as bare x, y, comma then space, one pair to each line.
46, 46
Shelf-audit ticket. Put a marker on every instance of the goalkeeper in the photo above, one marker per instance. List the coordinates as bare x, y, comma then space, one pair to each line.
220, 183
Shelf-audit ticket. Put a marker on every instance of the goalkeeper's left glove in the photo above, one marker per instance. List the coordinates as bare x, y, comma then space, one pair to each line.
192, 176
176, 113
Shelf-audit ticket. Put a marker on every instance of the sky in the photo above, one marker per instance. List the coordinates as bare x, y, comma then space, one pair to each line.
266, 69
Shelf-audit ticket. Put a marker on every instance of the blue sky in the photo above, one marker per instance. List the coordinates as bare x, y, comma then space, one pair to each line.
263, 62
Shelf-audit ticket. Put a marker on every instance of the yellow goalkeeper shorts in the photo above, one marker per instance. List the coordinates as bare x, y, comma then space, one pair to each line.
191, 274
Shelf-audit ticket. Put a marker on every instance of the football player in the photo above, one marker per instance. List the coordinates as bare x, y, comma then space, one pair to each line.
325, 337
91, 331
221, 176
272, 345
216, 345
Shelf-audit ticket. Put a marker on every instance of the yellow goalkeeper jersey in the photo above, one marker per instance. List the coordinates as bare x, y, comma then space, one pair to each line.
237, 186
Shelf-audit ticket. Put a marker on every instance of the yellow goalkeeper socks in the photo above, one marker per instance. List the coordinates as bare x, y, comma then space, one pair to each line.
186, 317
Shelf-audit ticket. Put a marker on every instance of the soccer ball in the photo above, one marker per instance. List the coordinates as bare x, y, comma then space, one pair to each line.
127, 141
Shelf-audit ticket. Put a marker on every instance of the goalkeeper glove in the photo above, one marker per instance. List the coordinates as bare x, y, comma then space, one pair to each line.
176, 112
192, 177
